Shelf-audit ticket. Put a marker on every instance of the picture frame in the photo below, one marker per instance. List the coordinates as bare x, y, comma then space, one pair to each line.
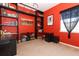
50, 20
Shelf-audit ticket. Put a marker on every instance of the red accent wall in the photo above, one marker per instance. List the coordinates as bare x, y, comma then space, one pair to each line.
55, 28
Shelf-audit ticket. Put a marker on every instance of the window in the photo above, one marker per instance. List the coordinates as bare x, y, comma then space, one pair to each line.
70, 18
66, 19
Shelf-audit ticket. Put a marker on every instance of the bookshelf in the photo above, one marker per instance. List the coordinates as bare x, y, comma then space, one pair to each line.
8, 23
38, 24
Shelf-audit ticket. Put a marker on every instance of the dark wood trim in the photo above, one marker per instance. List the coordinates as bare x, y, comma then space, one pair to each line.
17, 23
36, 25
0, 20
0, 24
40, 11
42, 23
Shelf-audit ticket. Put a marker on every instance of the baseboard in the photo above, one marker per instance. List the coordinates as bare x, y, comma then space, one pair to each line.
69, 45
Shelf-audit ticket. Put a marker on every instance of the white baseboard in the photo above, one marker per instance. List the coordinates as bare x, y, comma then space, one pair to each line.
69, 45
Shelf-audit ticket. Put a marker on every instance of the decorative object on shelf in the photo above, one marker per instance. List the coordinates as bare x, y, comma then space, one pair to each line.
9, 15
23, 39
3, 11
12, 7
41, 15
12, 23
26, 21
39, 25
40, 30
5, 4
35, 5
50, 20
5, 35
12, 15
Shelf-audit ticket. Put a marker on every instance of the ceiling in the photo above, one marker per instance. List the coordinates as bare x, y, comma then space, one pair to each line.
42, 6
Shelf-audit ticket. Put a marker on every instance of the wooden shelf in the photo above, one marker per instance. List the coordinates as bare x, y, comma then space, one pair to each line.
39, 27
7, 8
8, 25
19, 11
8, 16
40, 16
38, 21
25, 13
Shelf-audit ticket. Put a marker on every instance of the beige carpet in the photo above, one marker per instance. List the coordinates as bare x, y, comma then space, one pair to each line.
39, 47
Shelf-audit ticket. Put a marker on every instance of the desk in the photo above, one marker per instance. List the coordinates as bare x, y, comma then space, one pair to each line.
8, 47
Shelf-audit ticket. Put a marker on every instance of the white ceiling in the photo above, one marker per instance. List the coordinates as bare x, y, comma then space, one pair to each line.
42, 6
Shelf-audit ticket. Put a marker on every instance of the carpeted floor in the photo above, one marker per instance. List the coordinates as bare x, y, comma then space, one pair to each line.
39, 47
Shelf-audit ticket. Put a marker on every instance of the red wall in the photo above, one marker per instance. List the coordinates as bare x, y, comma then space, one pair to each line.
55, 28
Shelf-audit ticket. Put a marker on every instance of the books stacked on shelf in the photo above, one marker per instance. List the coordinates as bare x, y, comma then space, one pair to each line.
38, 25
40, 14
4, 13
7, 5
11, 7
12, 23
12, 15
40, 30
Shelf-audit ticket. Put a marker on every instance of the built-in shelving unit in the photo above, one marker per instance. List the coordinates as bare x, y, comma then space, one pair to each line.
14, 15
39, 23
8, 19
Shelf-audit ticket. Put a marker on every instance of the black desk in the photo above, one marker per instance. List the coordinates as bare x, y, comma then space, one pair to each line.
49, 37
8, 47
